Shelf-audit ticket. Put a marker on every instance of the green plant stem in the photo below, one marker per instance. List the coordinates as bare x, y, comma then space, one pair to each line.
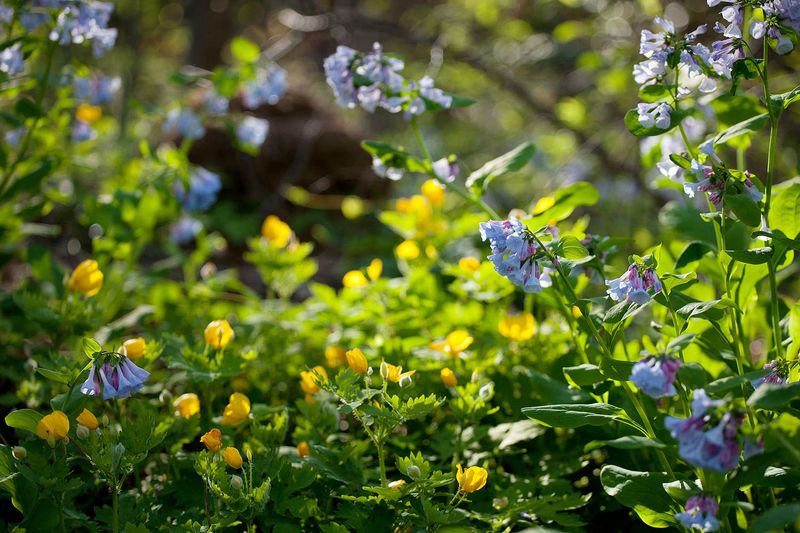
450, 186
115, 508
382, 463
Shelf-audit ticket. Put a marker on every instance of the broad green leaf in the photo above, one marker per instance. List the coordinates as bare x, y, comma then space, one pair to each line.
562, 203
692, 375
90, 347
508, 162
746, 126
777, 518
29, 183
753, 256
731, 382
628, 442
616, 369
569, 247
784, 214
694, 251
582, 375
745, 209
53, 375
23, 419
773, 395
632, 488
575, 415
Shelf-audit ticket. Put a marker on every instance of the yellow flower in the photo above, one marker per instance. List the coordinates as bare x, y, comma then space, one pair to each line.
86, 278
276, 231
133, 349
394, 373
87, 419
218, 333
309, 382
470, 264
303, 449
335, 356
448, 377
397, 485
237, 410
357, 361
519, 327
576, 311
187, 405
375, 269
543, 204
88, 113
407, 250
355, 279
471, 480
434, 192
212, 440
417, 204
53, 427
455, 343
232, 457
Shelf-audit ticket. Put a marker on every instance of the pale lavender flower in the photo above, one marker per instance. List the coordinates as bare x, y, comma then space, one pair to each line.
184, 230
204, 186
215, 103
445, 170
184, 123
700, 514
515, 254
636, 285
655, 376
654, 114
268, 87
252, 131
96, 90
82, 131
11, 60
115, 376
380, 168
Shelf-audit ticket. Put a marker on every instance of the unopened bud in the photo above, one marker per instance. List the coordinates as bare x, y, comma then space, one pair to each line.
249, 455
405, 381
384, 370
105, 420
236, 482
82, 432
19, 453
486, 392
369, 370
31, 365
165, 397
413, 472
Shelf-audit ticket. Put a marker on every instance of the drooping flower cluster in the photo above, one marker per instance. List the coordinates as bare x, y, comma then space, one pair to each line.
638, 284
252, 131
655, 376
95, 90
515, 254
372, 80
663, 51
778, 374
700, 514
774, 19
115, 376
267, 87
184, 123
708, 438
712, 177
204, 186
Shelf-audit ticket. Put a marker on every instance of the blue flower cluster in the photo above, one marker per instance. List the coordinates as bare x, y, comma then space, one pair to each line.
636, 285
116, 377
707, 439
11, 60
95, 90
515, 254
184, 123
700, 514
252, 131
267, 87
185, 229
204, 186
373, 80
655, 376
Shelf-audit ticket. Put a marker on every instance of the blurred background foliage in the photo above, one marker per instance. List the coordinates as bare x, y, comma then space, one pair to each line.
556, 72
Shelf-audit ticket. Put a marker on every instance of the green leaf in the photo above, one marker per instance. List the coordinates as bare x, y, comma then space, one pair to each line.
753, 256
569, 247
53, 375
745, 209
245, 50
582, 375
632, 488
29, 183
562, 203
635, 127
784, 214
731, 382
575, 415
509, 434
746, 126
777, 518
694, 251
616, 369
772, 395
23, 419
394, 157
788, 98
692, 375
628, 442
654, 93
90, 347
622, 311
731, 110
28, 108
508, 162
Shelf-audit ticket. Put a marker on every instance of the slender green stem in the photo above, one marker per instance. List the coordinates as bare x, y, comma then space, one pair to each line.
479, 202
637, 404
382, 463
115, 508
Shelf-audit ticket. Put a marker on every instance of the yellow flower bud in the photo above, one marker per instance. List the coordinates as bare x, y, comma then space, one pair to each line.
218, 333
407, 250
236, 482
357, 361
471, 480
448, 377
19, 453
375, 269
519, 327
187, 405
133, 349
355, 279
303, 449
470, 264
87, 419
237, 410
53, 427
576, 311
335, 356
397, 485
232, 457
86, 278
212, 440
82, 432
276, 231
309, 382
434, 192
88, 113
